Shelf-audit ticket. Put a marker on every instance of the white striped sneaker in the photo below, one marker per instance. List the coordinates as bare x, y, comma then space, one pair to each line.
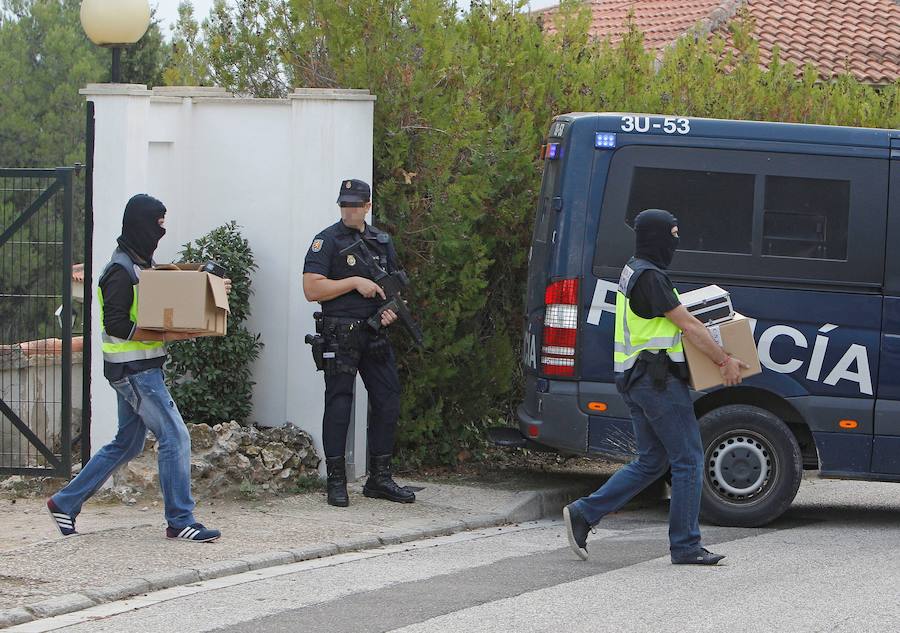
195, 532
65, 523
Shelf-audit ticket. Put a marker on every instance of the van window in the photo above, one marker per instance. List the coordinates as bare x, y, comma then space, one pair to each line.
542, 223
806, 217
772, 218
714, 209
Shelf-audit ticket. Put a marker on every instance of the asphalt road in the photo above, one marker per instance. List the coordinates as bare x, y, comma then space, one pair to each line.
831, 564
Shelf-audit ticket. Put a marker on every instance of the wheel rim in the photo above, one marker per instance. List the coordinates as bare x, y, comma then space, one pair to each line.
741, 467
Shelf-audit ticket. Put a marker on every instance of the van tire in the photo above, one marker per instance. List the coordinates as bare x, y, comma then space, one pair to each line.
752, 467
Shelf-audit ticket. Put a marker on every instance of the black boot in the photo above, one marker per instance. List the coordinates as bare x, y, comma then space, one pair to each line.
380, 485
337, 482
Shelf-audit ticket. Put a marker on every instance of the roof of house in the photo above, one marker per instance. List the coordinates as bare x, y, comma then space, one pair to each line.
859, 36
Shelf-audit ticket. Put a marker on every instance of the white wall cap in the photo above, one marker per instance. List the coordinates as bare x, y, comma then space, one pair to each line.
128, 90
333, 94
190, 91
220, 94
229, 100
209, 94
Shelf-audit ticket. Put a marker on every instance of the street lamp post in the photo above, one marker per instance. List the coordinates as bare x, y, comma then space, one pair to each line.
115, 24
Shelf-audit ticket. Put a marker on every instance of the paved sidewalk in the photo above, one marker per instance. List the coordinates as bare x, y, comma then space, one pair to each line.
121, 550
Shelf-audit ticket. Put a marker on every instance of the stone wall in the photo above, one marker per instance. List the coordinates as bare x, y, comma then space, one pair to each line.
229, 459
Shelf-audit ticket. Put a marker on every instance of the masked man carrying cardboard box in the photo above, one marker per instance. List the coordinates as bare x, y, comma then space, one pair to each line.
652, 377
132, 362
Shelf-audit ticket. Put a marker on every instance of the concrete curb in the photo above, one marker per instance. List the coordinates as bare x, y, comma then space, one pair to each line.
530, 506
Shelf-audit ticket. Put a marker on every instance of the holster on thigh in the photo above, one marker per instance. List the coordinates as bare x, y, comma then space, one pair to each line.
344, 339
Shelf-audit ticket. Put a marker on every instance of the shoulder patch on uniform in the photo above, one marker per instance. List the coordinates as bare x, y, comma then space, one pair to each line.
316, 245
627, 273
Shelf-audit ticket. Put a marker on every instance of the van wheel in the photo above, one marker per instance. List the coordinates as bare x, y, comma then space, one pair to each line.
752, 468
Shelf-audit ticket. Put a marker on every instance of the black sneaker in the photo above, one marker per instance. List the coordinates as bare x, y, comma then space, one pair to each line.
701, 557
196, 533
577, 530
65, 523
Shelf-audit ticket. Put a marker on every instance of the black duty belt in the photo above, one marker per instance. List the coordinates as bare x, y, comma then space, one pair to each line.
341, 321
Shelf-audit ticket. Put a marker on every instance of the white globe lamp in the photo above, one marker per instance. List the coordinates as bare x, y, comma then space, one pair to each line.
115, 24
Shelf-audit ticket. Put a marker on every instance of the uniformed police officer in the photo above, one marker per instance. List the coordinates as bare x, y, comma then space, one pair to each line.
340, 278
651, 376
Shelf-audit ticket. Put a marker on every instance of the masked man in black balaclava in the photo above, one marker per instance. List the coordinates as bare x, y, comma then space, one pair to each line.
132, 362
142, 229
652, 377
656, 237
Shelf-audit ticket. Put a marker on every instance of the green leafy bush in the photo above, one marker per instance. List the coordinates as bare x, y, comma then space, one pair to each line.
210, 377
464, 100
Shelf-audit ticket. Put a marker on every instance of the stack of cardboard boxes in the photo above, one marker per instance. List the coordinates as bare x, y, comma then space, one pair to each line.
712, 306
183, 298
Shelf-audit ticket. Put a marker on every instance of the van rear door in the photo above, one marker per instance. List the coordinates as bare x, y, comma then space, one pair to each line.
539, 262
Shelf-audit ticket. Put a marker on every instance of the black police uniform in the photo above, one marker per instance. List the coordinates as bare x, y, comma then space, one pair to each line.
344, 327
356, 347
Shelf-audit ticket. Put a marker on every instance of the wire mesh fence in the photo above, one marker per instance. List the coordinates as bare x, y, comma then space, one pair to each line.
37, 319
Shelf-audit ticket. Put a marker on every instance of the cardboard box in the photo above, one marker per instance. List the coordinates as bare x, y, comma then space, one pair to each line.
736, 338
182, 298
709, 304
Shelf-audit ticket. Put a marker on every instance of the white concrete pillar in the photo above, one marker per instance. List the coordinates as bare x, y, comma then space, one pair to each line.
120, 170
332, 141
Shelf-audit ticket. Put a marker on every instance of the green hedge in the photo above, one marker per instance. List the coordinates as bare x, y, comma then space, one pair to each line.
463, 103
211, 377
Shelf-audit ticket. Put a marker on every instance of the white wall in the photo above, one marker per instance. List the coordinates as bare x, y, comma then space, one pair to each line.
274, 166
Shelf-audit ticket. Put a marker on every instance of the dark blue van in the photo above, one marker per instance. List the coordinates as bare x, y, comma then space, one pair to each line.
801, 223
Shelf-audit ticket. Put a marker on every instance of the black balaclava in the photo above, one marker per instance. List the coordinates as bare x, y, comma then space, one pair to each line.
141, 231
653, 236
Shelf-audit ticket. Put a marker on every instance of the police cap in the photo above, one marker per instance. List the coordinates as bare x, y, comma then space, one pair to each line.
354, 192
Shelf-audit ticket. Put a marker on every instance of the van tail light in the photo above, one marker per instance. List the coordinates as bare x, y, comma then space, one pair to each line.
550, 151
560, 328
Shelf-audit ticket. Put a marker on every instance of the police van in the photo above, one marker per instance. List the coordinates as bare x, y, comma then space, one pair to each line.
800, 223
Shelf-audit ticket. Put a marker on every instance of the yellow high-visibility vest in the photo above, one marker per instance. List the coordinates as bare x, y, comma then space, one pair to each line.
120, 350
635, 334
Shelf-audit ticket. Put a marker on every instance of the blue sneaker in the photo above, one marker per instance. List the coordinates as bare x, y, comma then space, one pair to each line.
195, 532
65, 523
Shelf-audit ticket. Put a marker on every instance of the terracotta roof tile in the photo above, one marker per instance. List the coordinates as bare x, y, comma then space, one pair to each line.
661, 21
833, 35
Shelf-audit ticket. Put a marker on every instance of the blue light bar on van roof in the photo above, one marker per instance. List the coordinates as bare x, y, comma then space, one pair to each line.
605, 140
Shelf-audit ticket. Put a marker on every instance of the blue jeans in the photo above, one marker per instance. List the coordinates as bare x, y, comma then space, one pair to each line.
667, 433
144, 403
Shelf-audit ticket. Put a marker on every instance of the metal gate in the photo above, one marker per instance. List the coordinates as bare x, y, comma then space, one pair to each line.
37, 320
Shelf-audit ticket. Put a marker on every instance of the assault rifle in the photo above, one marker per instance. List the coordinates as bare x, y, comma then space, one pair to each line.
391, 284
